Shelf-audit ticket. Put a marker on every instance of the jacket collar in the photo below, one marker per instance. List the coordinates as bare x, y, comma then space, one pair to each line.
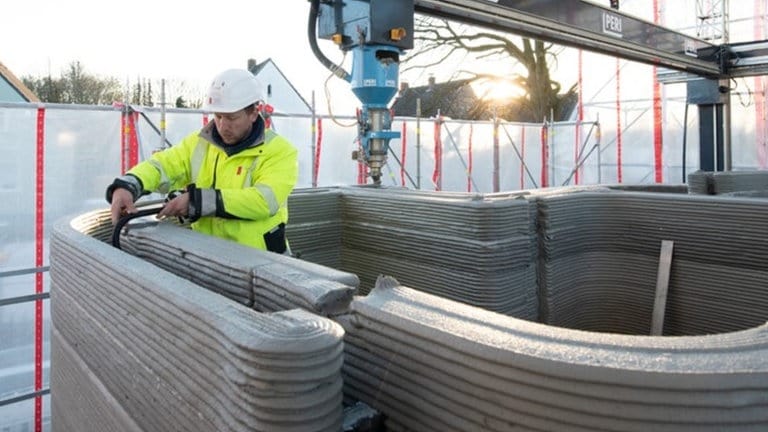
254, 139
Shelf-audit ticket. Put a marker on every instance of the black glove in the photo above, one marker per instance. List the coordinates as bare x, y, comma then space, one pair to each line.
128, 182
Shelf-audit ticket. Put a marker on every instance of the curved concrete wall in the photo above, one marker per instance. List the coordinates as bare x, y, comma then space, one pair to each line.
267, 282
583, 258
600, 252
136, 347
432, 364
478, 249
439, 363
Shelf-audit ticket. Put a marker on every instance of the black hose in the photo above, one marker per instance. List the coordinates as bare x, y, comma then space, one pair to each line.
125, 219
312, 34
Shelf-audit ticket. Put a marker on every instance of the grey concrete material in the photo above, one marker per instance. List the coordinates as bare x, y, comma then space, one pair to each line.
176, 362
182, 393
96, 224
360, 387
328, 258
700, 182
482, 220
718, 267
512, 292
485, 410
79, 401
433, 411
432, 249
599, 291
474, 381
290, 289
155, 313
239, 271
139, 390
317, 204
469, 247
458, 322
359, 417
653, 187
710, 229
616, 295
233, 282
636, 370
587, 237
716, 183
323, 294
202, 249
191, 295
465, 407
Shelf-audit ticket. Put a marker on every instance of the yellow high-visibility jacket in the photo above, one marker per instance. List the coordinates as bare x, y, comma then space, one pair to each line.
253, 184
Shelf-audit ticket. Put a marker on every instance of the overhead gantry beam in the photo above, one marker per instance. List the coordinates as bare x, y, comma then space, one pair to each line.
582, 24
748, 59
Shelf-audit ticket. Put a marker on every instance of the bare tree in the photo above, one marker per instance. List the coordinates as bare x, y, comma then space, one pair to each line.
75, 85
81, 87
437, 41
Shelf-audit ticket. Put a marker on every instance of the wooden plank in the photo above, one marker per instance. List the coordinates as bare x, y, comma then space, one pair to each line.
662, 285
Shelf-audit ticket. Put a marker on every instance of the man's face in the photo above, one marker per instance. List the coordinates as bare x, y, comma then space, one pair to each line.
234, 126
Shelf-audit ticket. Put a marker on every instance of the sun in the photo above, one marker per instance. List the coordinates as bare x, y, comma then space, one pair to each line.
497, 89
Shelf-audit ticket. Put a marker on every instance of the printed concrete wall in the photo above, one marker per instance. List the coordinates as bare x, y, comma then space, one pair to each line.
600, 256
426, 355
728, 182
583, 258
138, 348
474, 248
433, 364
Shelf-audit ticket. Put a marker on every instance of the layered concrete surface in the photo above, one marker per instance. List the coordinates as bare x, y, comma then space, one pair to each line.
600, 252
433, 364
727, 182
478, 249
140, 348
583, 258
265, 281
521, 311
431, 361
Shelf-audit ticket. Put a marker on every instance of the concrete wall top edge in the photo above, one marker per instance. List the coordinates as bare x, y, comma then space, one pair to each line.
486, 334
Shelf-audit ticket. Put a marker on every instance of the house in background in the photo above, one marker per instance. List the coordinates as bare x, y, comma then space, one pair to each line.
453, 99
279, 92
458, 100
12, 89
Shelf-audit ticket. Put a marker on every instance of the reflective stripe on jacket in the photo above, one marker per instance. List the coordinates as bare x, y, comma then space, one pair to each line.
254, 183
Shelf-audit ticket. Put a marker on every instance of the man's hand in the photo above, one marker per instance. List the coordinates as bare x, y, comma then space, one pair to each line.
178, 206
122, 203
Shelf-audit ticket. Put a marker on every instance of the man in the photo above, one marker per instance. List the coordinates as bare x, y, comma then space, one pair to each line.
236, 173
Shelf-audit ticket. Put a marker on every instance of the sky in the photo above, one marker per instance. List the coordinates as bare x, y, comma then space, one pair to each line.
189, 41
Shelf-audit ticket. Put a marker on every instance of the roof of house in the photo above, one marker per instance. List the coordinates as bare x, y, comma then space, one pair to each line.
17, 85
457, 100
454, 99
255, 68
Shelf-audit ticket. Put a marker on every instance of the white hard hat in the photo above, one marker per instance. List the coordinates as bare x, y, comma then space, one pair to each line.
232, 90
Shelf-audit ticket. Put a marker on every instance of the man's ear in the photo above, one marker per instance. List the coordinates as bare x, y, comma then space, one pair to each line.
254, 115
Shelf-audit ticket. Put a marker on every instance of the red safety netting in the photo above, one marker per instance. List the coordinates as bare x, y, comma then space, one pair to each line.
39, 255
544, 156
437, 173
318, 148
403, 147
658, 135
